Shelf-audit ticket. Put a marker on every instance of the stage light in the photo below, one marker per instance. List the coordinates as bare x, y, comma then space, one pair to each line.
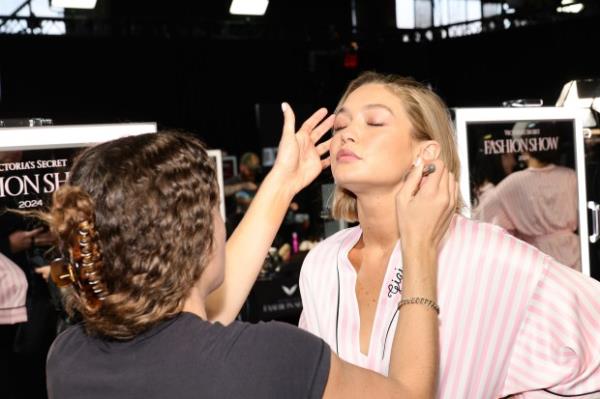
85, 4
571, 9
248, 7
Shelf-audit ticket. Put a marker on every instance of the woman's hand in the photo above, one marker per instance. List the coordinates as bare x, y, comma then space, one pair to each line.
425, 206
299, 160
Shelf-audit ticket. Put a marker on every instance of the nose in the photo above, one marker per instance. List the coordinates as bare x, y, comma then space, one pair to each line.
348, 134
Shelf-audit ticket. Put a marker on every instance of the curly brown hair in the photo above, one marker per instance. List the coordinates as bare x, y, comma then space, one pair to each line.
150, 198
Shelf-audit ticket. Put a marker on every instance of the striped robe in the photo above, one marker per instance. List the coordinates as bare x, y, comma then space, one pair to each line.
13, 292
513, 320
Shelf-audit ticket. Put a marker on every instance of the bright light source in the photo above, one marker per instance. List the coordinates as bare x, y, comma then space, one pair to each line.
567, 2
31, 138
405, 14
87, 4
248, 7
571, 9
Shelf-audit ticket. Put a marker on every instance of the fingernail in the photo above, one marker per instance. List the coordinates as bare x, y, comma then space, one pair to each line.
284, 107
417, 161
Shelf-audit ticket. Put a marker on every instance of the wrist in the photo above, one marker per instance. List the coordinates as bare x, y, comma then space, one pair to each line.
280, 182
419, 250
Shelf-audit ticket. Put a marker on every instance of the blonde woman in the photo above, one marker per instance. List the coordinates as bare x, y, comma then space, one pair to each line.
513, 320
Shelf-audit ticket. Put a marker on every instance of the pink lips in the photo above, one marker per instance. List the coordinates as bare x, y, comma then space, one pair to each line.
345, 155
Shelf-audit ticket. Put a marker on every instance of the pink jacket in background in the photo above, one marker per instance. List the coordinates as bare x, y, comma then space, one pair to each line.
540, 207
13, 292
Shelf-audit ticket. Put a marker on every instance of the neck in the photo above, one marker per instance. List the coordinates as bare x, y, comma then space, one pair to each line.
535, 163
195, 303
377, 216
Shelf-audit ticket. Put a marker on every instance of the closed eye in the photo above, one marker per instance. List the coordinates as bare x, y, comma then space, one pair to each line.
375, 124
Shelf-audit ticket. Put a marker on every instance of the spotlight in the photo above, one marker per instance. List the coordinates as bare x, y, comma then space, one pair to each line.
571, 8
248, 7
86, 4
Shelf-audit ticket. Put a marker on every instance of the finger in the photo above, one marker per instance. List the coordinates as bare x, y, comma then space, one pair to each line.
313, 120
325, 163
444, 185
322, 128
412, 180
432, 182
323, 147
289, 120
34, 232
453, 191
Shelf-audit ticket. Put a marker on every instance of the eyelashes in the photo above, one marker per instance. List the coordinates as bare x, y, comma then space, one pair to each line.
337, 129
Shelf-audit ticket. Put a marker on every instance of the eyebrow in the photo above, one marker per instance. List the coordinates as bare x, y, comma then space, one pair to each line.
368, 106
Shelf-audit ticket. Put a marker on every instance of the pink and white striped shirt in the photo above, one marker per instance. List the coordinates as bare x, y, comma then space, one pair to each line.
538, 205
513, 320
13, 292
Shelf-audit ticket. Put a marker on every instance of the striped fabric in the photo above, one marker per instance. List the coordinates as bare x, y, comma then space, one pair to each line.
13, 292
540, 207
513, 320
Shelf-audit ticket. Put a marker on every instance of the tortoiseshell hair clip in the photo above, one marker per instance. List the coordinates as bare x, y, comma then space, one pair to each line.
82, 269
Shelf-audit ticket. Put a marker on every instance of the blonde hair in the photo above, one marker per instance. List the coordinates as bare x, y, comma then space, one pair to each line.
429, 118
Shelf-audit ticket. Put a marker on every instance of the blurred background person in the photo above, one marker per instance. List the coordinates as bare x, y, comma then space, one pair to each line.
241, 189
13, 292
25, 242
538, 205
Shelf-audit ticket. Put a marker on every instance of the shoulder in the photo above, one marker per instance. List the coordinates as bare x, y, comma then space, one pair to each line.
494, 244
489, 236
515, 179
463, 225
277, 333
66, 342
279, 345
568, 172
279, 360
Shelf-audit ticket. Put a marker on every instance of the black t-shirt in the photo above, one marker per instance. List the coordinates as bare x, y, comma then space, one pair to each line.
187, 357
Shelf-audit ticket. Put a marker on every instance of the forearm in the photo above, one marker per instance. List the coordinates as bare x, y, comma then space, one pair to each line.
414, 361
247, 247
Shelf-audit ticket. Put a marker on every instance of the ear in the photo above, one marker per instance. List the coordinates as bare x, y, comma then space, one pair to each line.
429, 150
